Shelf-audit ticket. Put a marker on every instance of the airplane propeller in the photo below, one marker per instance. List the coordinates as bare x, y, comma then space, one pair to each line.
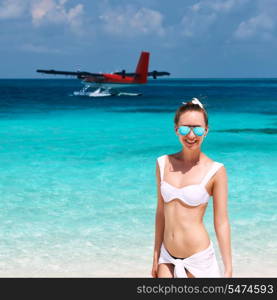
155, 74
123, 73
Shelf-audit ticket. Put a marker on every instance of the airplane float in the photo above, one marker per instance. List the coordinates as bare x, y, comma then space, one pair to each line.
106, 84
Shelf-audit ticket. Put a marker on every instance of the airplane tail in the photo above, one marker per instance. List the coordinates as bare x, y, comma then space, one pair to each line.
142, 67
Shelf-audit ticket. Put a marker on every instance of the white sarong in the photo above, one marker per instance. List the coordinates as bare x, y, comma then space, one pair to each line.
200, 264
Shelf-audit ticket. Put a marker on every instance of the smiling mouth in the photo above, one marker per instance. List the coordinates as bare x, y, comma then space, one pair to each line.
190, 142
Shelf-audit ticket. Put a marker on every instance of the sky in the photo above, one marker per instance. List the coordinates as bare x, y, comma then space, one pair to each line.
188, 38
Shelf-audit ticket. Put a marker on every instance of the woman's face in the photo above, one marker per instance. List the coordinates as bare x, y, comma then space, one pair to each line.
191, 118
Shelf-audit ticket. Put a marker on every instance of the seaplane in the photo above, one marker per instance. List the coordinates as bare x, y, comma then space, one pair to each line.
107, 84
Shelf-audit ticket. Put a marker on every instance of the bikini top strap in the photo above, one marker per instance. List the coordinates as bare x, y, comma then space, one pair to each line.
213, 170
161, 162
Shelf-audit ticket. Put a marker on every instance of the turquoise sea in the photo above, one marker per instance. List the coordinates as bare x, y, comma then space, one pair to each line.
77, 176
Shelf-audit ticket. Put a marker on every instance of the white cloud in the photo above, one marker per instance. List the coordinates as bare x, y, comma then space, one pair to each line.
221, 6
52, 11
38, 49
11, 9
40, 9
261, 25
74, 17
129, 21
195, 25
45, 12
199, 17
227, 6
196, 7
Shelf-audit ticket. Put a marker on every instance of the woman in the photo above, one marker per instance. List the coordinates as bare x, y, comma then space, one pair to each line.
185, 182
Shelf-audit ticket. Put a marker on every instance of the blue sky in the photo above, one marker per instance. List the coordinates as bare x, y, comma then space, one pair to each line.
189, 38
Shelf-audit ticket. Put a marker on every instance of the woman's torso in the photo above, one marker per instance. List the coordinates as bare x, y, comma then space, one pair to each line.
184, 232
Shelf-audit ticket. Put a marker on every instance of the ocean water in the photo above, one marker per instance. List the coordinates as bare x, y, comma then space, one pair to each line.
77, 176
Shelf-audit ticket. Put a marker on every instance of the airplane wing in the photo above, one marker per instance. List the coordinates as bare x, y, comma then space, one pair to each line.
123, 73
79, 74
154, 74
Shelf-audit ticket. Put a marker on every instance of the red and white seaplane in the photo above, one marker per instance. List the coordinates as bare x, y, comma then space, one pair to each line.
107, 83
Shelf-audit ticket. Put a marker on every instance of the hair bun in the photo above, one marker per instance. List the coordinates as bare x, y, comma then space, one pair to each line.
194, 101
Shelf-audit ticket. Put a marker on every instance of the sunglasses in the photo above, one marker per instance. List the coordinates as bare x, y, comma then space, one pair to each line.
184, 130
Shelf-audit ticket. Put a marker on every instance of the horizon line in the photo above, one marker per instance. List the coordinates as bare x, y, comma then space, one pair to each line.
35, 78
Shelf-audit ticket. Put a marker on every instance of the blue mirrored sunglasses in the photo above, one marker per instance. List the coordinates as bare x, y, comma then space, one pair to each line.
184, 130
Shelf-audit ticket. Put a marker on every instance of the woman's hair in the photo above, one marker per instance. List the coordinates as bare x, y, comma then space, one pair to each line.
193, 105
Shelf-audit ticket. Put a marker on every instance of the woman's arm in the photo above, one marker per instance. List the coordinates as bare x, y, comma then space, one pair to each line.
221, 221
159, 224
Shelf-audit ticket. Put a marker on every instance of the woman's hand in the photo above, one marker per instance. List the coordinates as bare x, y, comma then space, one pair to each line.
154, 272
228, 273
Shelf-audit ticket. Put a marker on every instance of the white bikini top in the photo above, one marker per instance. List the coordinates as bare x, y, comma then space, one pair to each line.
193, 194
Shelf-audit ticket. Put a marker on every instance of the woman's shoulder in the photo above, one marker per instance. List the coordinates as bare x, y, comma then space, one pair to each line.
217, 168
207, 160
161, 157
168, 157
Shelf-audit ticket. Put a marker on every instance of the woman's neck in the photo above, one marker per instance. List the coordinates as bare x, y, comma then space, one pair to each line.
190, 158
